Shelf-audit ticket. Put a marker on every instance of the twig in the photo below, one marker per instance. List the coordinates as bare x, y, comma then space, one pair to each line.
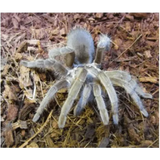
155, 92
153, 143
25, 143
129, 47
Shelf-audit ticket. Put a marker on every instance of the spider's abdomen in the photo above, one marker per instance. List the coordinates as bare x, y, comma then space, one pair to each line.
82, 43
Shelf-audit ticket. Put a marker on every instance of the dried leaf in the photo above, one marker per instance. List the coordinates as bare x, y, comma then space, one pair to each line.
118, 43
22, 47
91, 19
55, 31
29, 93
41, 76
9, 93
62, 31
99, 15
23, 133
18, 56
32, 49
148, 54
49, 141
128, 26
5, 70
15, 23
9, 135
146, 143
33, 42
19, 124
32, 145
51, 20
12, 112
25, 111
17, 17
129, 17
132, 133
24, 79
149, 79
77, 16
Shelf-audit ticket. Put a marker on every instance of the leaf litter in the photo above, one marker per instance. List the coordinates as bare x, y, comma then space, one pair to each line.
135, 48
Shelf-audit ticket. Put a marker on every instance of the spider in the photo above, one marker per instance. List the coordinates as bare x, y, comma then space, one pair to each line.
82, 76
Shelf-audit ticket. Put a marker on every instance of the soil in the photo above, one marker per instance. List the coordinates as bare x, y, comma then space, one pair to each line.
29, 36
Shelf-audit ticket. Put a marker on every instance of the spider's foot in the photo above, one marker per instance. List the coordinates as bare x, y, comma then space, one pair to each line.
144, 112
147, 95
77, 111
36, 117
115, 119
62, 121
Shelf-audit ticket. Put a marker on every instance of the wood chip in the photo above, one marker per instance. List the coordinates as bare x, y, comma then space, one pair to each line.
147, 54
149, 79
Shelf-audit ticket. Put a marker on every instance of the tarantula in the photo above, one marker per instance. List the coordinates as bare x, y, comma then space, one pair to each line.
83, 77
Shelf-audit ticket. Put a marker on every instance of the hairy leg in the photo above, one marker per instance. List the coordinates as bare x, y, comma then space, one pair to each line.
67, 52
73, 92
49, 96
103, 45
132, 88
100, 103
106, 82
49, 64
104, 79
122, 78
83, 99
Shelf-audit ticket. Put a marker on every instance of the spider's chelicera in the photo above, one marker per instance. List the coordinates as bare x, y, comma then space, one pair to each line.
83, 77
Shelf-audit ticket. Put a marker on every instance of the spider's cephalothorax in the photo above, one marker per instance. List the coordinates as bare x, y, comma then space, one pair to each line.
83, 76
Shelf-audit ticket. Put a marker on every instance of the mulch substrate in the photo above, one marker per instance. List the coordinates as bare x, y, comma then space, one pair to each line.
29, 36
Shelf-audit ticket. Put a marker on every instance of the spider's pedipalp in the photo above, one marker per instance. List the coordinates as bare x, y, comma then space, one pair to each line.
49, 64
100, 103
49, 96
103, 45
83, 99
105, 80
59, 51
104, 42
69, 54
73, 92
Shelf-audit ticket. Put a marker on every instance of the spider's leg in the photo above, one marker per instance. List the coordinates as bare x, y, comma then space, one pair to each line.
49, 96
139, 90
131, 88
83, 99
119, 74
49, 64
105, 80
100, 103
73, 92
126, 78
66, 51
103, 45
